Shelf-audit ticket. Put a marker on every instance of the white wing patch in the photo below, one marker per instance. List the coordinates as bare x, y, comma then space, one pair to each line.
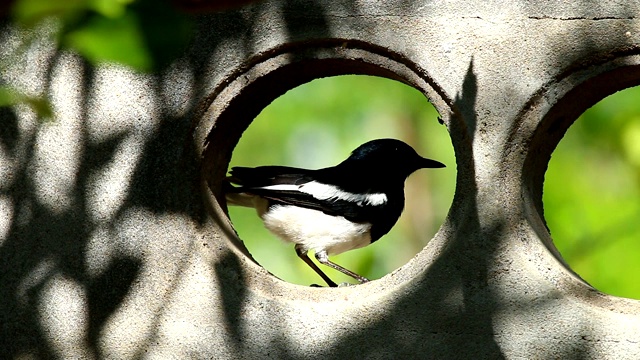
322, 191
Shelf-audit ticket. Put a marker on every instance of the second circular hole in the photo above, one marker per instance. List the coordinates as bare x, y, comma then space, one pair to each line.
592, 194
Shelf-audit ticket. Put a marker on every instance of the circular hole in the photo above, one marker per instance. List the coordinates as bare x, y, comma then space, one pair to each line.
592, 194
317, 125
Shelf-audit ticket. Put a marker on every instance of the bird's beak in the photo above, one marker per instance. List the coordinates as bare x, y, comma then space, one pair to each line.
428, 163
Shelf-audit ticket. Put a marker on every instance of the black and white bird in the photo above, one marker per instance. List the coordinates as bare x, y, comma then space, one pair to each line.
335, 209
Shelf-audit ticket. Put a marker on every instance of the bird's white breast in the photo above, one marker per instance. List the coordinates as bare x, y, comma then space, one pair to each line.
315, 230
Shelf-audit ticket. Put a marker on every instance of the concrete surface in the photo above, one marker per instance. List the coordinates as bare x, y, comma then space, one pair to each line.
113, 243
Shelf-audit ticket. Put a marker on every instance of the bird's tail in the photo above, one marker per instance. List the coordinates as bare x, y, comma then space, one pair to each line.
241, 199
235, 195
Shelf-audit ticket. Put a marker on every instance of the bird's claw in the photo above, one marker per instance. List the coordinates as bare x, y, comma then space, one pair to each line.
344, 284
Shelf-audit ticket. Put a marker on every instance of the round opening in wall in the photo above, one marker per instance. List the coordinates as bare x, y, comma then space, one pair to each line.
592, 194
318, 125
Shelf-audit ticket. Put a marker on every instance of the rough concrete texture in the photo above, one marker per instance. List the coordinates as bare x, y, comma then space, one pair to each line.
112, 242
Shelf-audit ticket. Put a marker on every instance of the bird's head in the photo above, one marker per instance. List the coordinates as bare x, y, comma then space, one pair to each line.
389, 156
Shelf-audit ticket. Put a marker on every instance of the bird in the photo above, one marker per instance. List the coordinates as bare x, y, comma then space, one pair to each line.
334, 209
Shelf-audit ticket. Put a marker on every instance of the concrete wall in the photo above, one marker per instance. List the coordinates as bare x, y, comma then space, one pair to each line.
113, 242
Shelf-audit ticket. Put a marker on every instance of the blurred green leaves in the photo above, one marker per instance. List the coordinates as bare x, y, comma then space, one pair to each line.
118, 40
10, 97
142, 34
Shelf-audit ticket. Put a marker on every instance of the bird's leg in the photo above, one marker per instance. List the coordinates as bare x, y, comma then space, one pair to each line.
323, 258
303, 255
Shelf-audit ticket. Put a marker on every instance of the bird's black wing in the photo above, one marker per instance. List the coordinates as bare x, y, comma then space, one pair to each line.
348, 209
264, 180
269, 175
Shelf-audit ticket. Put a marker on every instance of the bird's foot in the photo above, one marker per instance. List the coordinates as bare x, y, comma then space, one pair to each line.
344, 284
